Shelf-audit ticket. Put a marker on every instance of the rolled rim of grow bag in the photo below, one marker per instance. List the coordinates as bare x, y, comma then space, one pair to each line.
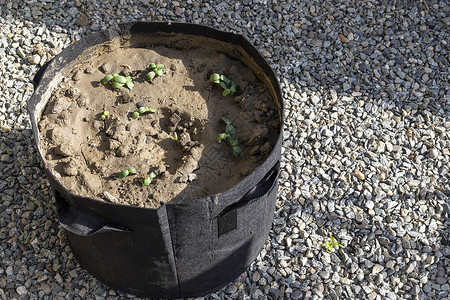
84, 217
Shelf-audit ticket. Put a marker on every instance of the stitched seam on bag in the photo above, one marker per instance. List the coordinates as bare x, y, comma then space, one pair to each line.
173, 251
211, 228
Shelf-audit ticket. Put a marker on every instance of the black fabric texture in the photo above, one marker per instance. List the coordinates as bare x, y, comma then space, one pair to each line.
180, 249
207, 263
227, 222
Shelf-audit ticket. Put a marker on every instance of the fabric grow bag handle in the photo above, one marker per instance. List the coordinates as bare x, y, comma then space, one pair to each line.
264, 185
82, 224
259, 190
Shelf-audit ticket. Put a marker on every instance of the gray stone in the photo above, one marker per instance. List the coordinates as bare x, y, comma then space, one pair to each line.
231, 289
441, 280
109, 197
34, 59
377, 269
21, 290
324, 274
433, 153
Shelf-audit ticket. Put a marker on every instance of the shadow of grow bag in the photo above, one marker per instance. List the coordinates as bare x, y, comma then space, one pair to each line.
180, 249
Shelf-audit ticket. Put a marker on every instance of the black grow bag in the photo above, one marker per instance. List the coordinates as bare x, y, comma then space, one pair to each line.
178, 250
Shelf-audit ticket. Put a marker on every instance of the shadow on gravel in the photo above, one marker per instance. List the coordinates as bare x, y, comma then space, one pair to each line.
370, 173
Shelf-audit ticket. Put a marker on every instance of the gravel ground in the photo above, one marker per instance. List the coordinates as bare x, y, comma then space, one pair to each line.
366, 154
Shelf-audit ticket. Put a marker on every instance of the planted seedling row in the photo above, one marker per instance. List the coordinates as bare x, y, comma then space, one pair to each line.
156, 70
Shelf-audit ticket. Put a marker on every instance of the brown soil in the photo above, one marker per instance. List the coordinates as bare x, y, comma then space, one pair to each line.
87, 154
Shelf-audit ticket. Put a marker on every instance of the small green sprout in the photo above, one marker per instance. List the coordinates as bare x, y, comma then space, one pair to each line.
228, 135
224, 82
142, 110
27, 240
155, 70
215, 78
104, 115
107, 79
332, 243
118, 81
175, 136
125, 173
147, 180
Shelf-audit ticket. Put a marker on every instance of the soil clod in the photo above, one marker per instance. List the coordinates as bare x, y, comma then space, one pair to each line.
106, 68
77, 76
65, 150
174, 120
70, 168
89, 70
126, 97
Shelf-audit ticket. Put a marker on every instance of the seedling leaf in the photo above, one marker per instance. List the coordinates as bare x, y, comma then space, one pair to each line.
129, 84
115, 75
227, 121
123, 173
229, 129
159, 72
104, 115
147, 180
223, 85
214, 78
152, 110
221, 137
237, 152
225, 92
328, 245
228, 135
132, 171
116, 85
120, 79
152, 66
107, 79
135, 115
159, 66
225, 79
27, 240
151, 75
175, 136
142, 110
233, 87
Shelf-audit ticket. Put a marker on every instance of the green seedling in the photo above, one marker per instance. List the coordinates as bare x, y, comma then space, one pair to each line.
330, 244
104, 115
229, 87
27, 240
155, 70
135, 115
175, 136
228, 136
142, 110
107, 79
125, 173
118, 81
147, 180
